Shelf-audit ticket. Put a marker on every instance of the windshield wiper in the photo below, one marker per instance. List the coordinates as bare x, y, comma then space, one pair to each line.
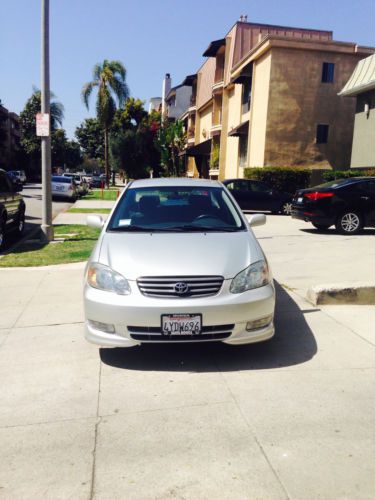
132, 228
191, 227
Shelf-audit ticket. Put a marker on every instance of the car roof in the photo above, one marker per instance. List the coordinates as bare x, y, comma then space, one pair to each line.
174, 181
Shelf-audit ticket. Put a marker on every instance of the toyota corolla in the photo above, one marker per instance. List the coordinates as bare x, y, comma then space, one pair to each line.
177, 261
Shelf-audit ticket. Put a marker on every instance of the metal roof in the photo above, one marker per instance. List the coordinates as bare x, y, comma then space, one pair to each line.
362, 79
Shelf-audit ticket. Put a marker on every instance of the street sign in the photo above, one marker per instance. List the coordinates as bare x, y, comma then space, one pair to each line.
42, 124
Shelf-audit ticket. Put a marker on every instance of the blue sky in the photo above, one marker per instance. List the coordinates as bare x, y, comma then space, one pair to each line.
151, 38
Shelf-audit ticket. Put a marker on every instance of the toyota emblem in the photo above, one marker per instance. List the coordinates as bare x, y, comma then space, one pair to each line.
181, 288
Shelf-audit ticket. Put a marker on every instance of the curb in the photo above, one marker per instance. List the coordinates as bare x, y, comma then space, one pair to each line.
340, 294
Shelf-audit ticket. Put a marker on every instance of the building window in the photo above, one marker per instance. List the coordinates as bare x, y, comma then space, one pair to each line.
242, 150
322, 134
246, 96
328, 72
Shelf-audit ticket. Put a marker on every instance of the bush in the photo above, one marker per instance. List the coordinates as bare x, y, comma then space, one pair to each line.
333, 175
285, 179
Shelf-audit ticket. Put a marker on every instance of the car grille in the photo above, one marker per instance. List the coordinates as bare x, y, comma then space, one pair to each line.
165, 286
153, 334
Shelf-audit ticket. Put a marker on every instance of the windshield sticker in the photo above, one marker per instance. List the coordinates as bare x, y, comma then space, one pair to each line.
124, 222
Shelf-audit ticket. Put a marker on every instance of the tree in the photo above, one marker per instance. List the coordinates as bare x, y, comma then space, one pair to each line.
132, 144
65, 153
171, 141
91, 139
109, 79
30, 142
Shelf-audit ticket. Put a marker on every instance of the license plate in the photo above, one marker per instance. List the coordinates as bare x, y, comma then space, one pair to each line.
300, 199
181, 324
59, 188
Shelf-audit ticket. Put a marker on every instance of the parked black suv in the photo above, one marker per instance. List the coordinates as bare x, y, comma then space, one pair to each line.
349, 204
12, 208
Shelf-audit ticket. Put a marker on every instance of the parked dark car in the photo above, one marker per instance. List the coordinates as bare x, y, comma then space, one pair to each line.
12, 209
97, 181
348, 204
16, 182
256, 195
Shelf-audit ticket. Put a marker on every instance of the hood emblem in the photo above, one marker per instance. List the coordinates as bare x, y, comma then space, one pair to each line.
181, 288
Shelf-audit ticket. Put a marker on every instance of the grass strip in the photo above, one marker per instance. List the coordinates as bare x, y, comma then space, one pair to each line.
97, 194
79, 240
89, 210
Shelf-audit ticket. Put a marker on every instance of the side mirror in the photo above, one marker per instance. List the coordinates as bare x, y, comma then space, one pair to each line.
95, 221
257, 220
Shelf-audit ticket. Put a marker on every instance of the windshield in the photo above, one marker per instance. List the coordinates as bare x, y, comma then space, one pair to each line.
174, 209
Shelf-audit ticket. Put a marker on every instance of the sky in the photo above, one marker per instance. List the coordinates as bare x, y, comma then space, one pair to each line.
150, 37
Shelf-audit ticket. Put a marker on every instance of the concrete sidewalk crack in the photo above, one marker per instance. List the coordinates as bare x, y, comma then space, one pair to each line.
262, 450
98, 421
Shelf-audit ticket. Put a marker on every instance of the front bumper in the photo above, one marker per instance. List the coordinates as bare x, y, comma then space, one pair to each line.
136, 312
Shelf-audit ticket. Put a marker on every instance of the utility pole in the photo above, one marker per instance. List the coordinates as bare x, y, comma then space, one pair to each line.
47, 227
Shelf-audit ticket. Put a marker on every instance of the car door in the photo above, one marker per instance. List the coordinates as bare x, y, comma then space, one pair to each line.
239, 192
367, 195
8, 198
262, 196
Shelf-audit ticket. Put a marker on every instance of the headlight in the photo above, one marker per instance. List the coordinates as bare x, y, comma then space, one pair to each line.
104, 278
254, 276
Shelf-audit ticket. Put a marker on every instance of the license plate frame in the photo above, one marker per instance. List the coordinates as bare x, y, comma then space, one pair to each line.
181, 324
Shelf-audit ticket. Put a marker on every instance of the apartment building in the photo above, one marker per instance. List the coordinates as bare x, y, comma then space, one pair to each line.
361, 88
267, 96
10, 137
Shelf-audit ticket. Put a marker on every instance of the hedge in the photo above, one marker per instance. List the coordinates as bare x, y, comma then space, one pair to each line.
333, 175
285, 179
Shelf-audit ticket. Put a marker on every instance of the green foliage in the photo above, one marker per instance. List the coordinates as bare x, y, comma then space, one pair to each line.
132, 142
64, 153
215, 156
281, 178
171, 142
91, 139
332, 175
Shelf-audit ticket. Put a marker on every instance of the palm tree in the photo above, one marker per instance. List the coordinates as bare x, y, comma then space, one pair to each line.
109, 79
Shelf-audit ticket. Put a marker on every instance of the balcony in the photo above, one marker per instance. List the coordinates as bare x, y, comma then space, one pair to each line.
193, 104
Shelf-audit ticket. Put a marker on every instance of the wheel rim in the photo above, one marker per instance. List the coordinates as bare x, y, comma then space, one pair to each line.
350, 222
287, 208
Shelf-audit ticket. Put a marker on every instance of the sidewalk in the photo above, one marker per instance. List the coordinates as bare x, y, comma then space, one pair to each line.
289, 418
80, 218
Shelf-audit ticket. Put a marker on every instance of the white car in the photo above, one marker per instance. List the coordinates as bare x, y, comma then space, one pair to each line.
19, 174
80, 182
63, 187
177, 261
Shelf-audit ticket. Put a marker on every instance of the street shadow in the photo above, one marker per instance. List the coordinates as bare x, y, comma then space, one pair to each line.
332, 232
293, 344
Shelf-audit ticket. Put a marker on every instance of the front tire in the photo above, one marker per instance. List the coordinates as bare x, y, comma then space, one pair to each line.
2, 233
349, 222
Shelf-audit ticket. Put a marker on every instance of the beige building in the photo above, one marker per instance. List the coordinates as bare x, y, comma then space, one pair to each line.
267, 96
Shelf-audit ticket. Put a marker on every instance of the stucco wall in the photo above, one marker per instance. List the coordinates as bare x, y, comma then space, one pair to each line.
205, 123
299, 101
231, 143
363, 152
259, 110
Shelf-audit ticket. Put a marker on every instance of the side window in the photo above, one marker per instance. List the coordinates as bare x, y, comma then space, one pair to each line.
259, 187
230, 186
328, 72
5, 186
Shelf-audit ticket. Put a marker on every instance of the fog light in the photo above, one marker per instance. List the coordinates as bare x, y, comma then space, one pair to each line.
103, 327
258, 323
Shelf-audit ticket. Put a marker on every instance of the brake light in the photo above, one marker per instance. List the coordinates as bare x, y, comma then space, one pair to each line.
316, 195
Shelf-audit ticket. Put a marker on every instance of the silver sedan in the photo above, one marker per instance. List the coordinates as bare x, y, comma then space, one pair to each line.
177, 261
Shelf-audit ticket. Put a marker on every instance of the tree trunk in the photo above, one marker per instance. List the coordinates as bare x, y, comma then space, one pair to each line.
106, 161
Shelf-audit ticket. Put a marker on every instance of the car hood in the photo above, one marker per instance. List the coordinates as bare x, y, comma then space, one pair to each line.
175, 254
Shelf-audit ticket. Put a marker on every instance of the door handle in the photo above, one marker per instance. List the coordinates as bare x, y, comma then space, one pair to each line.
365, 197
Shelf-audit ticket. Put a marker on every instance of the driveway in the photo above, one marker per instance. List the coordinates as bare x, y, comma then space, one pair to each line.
291, 418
